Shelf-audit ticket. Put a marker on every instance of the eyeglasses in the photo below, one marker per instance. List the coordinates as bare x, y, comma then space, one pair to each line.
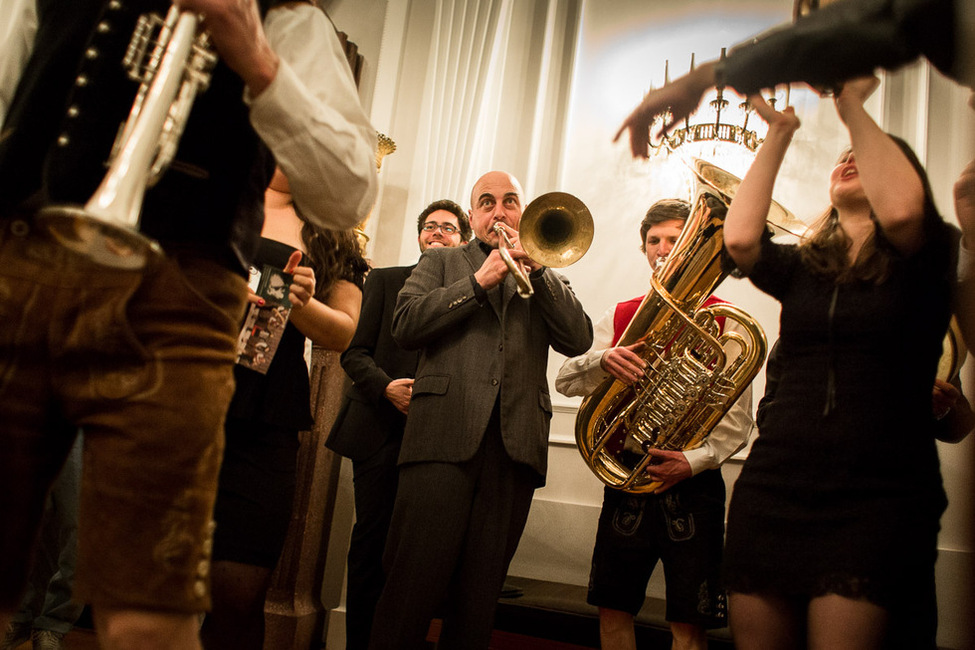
446, 228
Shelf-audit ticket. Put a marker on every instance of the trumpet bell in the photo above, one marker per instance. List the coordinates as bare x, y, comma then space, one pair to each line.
103, 242
556, 229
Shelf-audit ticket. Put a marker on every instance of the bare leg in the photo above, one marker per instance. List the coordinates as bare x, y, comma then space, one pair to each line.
616, 630
236, 621
129, 629
765, 622
688, 637
836, 623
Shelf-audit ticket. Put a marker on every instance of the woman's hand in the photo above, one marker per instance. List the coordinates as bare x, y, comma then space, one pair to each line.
302, 288
854, 92
784, 121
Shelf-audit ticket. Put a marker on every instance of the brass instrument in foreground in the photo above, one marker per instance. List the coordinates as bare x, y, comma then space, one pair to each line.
556, 229
953, 352
172, 59
694, 372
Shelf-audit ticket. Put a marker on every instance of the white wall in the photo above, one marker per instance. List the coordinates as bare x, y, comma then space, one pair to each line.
572, 71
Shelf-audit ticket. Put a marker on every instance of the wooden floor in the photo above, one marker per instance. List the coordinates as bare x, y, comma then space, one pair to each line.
80, 639
76, 639
545, 616
85, 640
504, 640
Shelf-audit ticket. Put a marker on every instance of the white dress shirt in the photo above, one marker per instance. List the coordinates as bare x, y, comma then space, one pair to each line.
18, 24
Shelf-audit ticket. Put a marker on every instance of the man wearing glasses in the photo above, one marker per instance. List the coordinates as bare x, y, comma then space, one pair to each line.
369, 428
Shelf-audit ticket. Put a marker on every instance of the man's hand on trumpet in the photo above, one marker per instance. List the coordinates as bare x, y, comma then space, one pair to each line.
517, 252
492, 271
238, 35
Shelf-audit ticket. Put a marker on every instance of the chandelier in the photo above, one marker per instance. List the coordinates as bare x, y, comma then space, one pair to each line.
722, 117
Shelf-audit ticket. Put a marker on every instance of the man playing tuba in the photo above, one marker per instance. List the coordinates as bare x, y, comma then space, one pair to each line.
682, 522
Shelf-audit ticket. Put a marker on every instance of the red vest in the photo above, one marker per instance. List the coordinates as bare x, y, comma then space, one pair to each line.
626, 310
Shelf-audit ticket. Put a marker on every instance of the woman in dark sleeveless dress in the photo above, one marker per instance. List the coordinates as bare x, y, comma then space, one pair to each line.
257, 478
834, 520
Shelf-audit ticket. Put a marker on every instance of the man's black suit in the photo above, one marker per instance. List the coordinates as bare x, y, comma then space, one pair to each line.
369, 430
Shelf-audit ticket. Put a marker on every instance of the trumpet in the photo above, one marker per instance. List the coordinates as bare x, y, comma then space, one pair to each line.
556, 231
517, 269
172, 72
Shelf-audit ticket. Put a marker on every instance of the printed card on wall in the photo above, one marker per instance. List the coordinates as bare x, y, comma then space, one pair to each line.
264, 325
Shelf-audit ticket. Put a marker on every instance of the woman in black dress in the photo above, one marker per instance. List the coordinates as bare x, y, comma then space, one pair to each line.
257, 478
833, 523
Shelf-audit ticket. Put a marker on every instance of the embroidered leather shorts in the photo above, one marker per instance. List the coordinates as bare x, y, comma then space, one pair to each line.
141, 361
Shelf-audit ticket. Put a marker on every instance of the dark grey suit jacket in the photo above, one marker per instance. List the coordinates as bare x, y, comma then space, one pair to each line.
470, 353
366, 419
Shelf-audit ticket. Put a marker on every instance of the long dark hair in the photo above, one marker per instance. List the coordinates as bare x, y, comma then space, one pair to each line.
334, 255
825, 251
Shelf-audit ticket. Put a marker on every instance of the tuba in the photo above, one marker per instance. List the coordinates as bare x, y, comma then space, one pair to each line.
172, 60
556, 229
694, 372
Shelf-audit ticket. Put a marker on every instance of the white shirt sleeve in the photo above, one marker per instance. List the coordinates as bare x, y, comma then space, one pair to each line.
311, 118
581, 375
18, 26
731, 432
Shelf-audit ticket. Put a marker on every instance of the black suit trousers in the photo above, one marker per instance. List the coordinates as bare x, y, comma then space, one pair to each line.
375, 480
454, 531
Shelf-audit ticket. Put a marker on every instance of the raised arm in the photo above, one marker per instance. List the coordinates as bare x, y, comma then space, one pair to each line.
892, 184
745, 223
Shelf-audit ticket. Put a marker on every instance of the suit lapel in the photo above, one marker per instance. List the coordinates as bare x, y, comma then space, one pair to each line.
510, 288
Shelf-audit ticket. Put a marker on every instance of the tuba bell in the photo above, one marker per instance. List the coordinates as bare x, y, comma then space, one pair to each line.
694, 372
172, 58
556, 229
